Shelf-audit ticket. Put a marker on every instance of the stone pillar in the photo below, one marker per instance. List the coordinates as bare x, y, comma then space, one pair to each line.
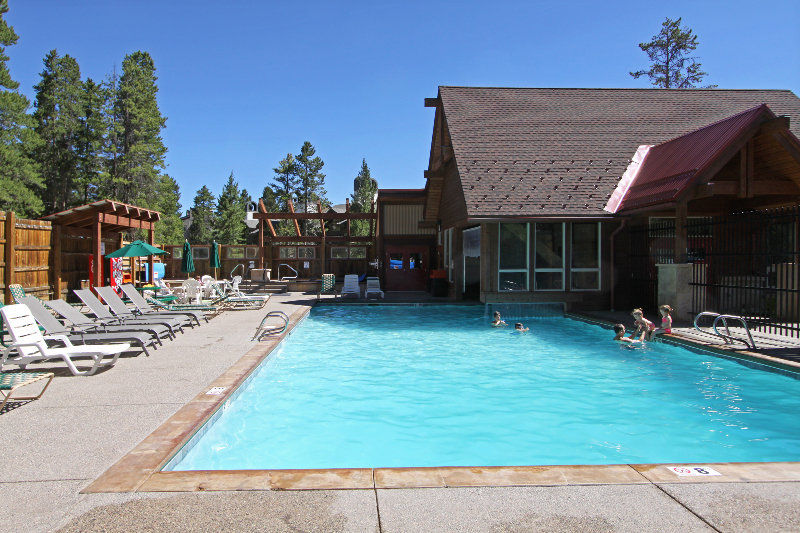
674, 288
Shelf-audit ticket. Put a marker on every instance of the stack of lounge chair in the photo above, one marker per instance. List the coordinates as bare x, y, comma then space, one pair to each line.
55, 330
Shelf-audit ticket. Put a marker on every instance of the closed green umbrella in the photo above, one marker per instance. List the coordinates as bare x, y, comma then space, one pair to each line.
215, 264
187, 262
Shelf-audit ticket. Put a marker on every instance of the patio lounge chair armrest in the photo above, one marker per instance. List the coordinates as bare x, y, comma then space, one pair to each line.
60, 338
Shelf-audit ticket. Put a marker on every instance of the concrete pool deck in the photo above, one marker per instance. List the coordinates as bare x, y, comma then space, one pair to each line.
58, 445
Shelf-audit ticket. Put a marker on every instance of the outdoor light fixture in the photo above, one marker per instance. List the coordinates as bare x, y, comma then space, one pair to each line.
251, 222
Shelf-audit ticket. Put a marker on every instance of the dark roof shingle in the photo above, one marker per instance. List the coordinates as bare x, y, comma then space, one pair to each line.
561, 152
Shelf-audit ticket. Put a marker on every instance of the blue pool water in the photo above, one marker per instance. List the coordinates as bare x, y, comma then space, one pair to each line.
390, 386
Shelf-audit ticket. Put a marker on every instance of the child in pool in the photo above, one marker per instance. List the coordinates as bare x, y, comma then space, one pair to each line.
666, 321
619, 334
519, 328
497, 321
644, 327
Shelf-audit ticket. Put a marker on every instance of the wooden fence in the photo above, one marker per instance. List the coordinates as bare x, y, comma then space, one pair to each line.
27, 255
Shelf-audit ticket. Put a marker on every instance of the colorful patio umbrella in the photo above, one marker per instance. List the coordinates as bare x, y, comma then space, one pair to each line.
187, 262
136, 249
215, 263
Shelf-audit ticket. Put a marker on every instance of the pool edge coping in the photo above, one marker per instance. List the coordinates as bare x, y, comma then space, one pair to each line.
139, 470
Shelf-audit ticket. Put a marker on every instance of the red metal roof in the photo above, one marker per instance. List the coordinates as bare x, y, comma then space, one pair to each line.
673, 166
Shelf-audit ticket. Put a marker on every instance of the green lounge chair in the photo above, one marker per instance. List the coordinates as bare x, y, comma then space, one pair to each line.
11, 381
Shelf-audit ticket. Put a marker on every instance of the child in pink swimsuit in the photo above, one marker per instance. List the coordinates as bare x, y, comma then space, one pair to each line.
666, 320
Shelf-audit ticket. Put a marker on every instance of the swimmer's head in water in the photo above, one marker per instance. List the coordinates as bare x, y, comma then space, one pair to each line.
619, 329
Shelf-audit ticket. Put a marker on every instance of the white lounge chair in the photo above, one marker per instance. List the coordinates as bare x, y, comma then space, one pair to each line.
351, 286
373, 287
31, 346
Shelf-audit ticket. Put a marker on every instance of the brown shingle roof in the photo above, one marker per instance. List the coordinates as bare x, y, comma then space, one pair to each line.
561, 152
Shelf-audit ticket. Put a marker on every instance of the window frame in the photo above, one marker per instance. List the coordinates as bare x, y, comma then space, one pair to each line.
563, 268
599, 259
526, 270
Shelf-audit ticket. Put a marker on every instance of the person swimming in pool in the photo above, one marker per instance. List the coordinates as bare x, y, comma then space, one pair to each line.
519, 328
619, 334
497, 321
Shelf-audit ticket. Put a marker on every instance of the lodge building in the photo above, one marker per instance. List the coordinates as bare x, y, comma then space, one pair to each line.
536, 195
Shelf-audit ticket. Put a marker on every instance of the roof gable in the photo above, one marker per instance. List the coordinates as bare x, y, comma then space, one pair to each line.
670, 168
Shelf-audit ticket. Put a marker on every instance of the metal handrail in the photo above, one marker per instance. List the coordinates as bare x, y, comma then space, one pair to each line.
237, 266
262, 331
286, 277
727, 337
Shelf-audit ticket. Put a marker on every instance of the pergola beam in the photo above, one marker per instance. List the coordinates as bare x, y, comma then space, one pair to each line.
296, 224
316, 216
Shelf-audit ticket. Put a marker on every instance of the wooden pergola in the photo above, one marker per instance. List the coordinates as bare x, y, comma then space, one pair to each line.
97, 219
266, 218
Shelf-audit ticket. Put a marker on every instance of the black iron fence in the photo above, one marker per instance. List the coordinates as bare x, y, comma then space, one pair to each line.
643, 246
746, 264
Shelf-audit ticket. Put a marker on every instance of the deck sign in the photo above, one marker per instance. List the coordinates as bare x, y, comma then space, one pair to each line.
216, 391
693, 471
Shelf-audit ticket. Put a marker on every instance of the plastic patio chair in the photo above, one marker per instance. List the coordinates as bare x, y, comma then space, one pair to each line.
31, 346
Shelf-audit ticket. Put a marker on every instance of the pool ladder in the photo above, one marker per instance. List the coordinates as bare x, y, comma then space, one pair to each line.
265, 330
727, 337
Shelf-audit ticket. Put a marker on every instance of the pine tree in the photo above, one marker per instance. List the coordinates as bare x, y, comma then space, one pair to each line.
364, 190
312, 180
285, 182
282, 189
201, 231
230, 214
20, 182
248, 236
671, 66
168, 230
140, 146
59, 107
91, 142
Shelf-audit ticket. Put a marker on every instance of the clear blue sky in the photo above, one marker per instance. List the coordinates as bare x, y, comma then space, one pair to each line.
243, 83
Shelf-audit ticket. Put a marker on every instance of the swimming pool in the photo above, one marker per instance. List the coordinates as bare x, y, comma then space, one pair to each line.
384, 386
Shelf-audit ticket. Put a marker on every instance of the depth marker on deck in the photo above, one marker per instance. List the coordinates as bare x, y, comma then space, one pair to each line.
693, 471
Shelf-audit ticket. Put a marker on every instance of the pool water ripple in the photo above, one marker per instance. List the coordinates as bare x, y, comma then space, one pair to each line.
390, 386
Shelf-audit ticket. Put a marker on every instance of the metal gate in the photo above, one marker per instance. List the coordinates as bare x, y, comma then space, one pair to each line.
747, 264
646, 246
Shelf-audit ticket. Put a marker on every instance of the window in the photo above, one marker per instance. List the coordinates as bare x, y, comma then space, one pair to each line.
549, 257
305, 252
358, 252
177, 253
287, 252
471, 252
234, 252
252, 252
201, 253
585, 265
414, 261
512, 272
348, 252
